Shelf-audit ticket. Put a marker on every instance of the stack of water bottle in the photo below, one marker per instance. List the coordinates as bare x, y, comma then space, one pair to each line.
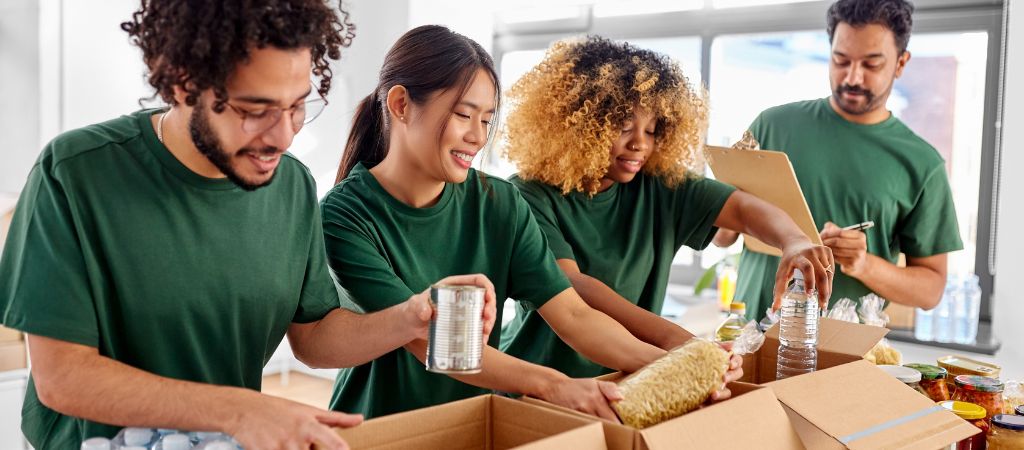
161, 439
955, 319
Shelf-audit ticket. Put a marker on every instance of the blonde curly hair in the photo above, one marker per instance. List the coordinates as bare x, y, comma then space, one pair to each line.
567, 112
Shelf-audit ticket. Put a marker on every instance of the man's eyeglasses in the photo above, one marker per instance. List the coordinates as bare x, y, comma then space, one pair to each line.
258, 120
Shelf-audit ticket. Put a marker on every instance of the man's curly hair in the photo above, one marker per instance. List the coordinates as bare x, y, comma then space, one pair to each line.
567, 112
197, 44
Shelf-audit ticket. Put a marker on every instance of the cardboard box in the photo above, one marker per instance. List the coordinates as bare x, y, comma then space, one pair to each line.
858, 406
752, 418
487, 422
12, 355
901, 317
838, 343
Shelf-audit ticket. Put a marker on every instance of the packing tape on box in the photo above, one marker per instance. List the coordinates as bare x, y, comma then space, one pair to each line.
889, 424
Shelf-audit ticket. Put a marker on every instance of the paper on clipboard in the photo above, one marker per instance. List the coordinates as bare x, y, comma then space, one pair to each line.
769, 176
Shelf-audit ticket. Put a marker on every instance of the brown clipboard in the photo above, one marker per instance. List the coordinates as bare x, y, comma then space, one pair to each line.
769, 176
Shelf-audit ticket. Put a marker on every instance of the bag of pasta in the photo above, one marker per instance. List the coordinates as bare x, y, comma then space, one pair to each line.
871, 313
680, 381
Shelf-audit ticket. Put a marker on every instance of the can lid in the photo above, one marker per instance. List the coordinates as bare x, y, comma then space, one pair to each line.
458, 287
738, 306
1020, 410
904, 374
978, 383
1015, 423
964, 410
928, 371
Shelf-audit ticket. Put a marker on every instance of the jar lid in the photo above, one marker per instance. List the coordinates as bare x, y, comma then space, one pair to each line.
904, 374
978, 383
1015, 423
964, 410
928, 371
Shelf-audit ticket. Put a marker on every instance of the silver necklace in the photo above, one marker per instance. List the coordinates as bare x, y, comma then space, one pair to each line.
160, 128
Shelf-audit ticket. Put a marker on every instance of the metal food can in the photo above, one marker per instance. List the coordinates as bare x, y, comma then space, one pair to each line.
456, 342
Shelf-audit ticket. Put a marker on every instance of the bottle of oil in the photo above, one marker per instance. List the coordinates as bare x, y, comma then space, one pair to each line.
733, 325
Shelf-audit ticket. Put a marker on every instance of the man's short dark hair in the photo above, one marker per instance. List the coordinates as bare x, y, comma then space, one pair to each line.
198, 44
892, 14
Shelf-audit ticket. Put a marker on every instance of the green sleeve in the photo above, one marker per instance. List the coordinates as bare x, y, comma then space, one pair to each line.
697, 203
45, 283
930, 228
319, 295
534, 277
544, 212
363, 272
756, 128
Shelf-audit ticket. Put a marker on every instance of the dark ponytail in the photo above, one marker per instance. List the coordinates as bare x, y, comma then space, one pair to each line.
367, 140
426, 59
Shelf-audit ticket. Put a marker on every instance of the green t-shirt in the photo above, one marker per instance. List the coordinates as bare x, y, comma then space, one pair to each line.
383, 251
851, 173
117, 245
625, 237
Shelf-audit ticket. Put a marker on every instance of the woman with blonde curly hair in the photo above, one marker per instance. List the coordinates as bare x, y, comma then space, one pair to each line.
608, 141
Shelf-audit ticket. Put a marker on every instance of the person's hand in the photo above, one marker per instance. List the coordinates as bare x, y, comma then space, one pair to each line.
271, 423
816, 264
733, 373
585, 395
850, 248
420, 309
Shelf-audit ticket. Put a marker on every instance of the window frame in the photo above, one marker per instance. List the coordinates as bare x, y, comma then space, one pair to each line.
930, 16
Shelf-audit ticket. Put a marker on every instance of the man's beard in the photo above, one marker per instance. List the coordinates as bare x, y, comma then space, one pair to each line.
871, 101
209, 145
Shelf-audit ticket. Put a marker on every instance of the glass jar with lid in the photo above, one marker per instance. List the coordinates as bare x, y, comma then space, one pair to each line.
973, 414
983, 391
908, 376
1007, 432
933, 381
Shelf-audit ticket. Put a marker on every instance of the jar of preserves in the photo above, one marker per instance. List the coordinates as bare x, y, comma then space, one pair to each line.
1007, 432
933, 381
908, 376
973, 414
983, 391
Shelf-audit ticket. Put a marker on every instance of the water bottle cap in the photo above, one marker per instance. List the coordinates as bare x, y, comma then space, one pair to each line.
96, 443
133, 447
137, 436
176, 442
221, 445
798, 275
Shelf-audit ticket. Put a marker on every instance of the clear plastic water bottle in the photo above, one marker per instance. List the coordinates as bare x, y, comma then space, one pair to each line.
924, 324
174, 441
134, 437
944, 312
798, 330
965, 324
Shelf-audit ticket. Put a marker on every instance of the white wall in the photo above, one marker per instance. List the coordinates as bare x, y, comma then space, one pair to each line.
19, 84
1008, 302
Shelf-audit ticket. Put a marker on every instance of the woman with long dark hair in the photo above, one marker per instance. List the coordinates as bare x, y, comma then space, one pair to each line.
409, 209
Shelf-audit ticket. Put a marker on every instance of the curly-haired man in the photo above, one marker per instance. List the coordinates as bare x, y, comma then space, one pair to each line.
857, 162
157, 260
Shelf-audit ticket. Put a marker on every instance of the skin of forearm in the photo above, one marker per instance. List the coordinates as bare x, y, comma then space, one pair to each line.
643, 324
327, 343
916, 286
501, 372
79, 382
760, 219
595, 335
